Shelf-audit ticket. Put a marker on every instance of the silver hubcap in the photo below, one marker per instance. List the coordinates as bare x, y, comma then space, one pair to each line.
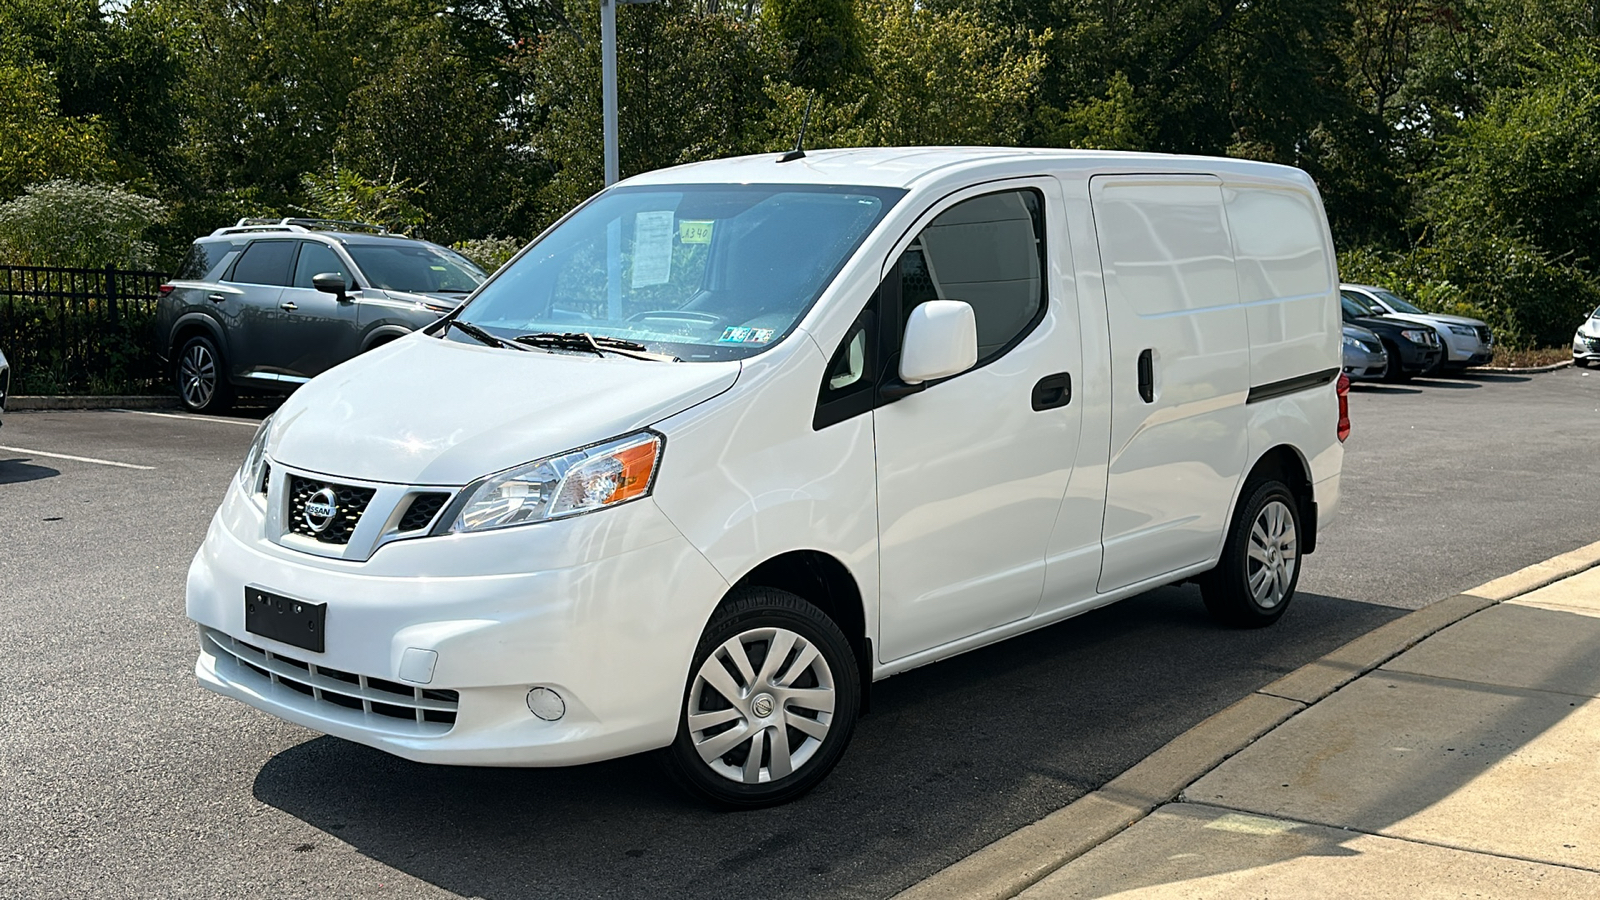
761, 705
1273, 555
197, 376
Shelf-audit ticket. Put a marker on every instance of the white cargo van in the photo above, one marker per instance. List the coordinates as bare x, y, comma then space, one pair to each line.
733, 440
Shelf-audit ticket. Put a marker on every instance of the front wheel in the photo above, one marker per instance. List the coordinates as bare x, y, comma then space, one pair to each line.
770, 705
1260, 566
202, 379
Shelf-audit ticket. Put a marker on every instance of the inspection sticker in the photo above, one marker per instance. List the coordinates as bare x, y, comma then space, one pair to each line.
693, 232
740, 335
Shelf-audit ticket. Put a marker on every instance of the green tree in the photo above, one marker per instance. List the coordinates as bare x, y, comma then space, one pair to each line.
37, 142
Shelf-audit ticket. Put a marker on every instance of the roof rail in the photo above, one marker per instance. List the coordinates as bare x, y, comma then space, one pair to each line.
253, 224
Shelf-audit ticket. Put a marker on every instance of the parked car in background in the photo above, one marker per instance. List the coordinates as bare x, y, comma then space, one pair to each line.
1466, 342
5, 381
1585, 344
268, 304
1364, 356
1412, 348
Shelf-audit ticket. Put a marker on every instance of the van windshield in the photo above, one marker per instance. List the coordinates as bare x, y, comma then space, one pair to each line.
702, 272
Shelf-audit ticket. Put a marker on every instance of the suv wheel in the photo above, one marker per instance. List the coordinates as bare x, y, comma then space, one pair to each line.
770, 705
202, 379
1260, 566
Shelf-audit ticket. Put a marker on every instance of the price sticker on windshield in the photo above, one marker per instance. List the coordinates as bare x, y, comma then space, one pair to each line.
693, 232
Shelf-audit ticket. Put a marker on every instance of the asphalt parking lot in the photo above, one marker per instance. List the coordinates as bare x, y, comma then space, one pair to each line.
122, 778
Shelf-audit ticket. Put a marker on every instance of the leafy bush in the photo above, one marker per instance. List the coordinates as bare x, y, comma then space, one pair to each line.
1529, 299
489, 253
76, 225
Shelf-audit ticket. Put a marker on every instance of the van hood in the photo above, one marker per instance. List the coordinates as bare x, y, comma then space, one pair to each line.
425, 411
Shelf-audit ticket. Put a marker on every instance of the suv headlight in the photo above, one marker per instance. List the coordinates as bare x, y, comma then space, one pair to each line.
255, 460
579, 481
1420, 337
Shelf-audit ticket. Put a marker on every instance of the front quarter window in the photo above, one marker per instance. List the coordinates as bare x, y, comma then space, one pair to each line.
702, 272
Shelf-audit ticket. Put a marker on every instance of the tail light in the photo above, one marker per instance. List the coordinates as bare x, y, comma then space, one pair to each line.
1344, 407
165, 289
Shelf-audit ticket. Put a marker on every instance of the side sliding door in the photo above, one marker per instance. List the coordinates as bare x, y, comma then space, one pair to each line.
1180, 369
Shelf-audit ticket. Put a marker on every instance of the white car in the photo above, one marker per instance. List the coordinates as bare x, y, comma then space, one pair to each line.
1466, 342
1585, 344
733, 440
5, 380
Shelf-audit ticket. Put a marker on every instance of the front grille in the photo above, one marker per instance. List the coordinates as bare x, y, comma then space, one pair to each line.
351, 503
1485, 335
424, 710
421, 511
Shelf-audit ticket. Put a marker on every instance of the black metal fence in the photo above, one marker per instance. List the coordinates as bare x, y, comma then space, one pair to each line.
79, 330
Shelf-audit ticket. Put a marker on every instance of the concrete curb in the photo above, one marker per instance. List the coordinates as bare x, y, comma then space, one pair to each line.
1521, 370
89, 401
1025, 857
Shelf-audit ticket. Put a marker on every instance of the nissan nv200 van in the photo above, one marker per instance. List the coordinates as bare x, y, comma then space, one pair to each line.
733, 440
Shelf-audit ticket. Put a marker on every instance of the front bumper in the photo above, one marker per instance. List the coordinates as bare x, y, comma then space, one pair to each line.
1415, 358
1467, 350
1586, 348
1364, 364
604, 609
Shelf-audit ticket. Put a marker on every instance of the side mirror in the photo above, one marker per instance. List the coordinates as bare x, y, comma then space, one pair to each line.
331, 283
941, 340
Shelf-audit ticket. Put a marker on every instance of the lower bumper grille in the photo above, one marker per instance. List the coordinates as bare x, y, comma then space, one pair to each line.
427, 712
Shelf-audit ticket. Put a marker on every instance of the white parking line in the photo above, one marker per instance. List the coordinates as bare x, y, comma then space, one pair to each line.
87, 459
217, 419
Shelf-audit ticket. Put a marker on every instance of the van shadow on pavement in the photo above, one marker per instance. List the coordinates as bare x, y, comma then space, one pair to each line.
952, 757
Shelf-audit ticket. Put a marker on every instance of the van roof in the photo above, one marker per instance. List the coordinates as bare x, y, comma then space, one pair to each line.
903, 167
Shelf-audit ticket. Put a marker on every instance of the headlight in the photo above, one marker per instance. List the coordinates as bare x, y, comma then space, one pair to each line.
1467, 330
255, 460
1352, 343
579, 481
1420, 337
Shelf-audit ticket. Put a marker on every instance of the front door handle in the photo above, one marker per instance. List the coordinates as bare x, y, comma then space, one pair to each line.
216, 298
1052, 391
1147, 376
288, 306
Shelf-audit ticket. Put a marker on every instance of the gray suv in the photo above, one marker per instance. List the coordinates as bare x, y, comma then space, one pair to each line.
268, 304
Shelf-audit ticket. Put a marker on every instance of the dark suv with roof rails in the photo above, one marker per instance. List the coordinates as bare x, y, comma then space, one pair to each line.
270, 303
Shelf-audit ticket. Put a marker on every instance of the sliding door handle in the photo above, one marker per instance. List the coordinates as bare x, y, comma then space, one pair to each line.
1147, 376
1052, 391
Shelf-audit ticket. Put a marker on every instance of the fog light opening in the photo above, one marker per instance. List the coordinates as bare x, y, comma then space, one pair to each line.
546, 704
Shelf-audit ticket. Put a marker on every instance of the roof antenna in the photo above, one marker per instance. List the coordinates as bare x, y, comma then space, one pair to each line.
798, 153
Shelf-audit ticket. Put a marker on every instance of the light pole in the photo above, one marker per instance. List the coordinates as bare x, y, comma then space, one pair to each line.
608, 83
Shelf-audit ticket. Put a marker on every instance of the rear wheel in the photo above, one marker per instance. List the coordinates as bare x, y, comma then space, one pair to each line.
1260, 566
202, 379
770, 705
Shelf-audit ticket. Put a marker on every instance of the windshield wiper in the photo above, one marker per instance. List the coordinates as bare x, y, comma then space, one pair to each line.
582, 340
482, 337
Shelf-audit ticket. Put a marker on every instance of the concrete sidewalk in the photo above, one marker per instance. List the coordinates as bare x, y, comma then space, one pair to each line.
1467, 766
1452, 752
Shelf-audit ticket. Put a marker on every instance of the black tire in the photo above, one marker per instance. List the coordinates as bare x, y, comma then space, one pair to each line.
1231, 591
747, 615
201, 376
